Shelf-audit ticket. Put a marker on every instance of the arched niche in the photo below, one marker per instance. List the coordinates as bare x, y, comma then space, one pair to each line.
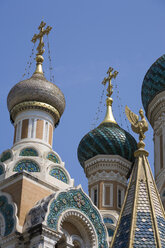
74, 208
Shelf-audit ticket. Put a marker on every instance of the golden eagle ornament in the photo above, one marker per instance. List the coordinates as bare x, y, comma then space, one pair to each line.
138, 126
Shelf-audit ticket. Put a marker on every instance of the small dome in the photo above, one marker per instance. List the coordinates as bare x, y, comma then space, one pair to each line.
108, 138
36, 88
154, 82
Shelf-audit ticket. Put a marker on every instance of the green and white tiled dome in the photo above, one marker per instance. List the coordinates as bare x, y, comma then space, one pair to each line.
108, 138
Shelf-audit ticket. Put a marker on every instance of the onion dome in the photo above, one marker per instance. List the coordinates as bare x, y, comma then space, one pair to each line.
154, 82
37, 92
108, 138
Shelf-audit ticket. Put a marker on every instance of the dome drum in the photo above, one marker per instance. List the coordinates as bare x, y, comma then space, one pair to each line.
35, 105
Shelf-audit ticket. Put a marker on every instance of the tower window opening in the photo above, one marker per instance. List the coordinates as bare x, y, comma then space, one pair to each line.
32, 128
107, 195
95, 197
18, 135
46, 131
119, 198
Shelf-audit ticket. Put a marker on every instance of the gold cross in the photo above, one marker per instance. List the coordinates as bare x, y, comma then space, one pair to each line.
40, 37
108, 79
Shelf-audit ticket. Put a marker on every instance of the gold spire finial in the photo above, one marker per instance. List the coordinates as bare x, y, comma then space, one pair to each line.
39, 57
109, 115
139, 127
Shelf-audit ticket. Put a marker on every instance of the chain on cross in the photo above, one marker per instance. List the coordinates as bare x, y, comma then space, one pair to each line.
108, 79
40, 37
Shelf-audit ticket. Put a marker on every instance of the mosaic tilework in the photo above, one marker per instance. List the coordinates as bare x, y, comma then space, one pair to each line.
59, 174
1, 170
123, 232
161, 227
7, 211
108, 220
159, 215
76, 199
108, 138
27, 165
144, 233
52, 157
154, 81
130, 198
5, 156
28, 152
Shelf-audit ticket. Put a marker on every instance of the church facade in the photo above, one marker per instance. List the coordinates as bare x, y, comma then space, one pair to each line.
40, 207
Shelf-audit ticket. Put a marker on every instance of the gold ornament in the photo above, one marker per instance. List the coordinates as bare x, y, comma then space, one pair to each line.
138, 126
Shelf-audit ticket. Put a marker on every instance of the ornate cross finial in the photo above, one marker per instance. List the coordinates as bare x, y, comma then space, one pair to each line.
40, 37
39, 57
108, 79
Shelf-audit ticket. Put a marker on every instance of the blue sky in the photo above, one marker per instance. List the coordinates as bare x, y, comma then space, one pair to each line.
87, 37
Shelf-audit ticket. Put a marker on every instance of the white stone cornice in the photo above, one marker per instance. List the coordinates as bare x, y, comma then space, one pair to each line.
107, 163
107, 176
109, 159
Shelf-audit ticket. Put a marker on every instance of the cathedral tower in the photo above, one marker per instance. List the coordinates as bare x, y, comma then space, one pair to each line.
153, 98
39, 205
107, 153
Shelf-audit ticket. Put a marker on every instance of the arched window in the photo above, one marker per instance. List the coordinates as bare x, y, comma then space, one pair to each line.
59, 174
26, 165
119, 198
52, 157
28, 152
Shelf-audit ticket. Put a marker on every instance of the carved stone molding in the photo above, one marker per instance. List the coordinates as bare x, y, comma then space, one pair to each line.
110, 176
107, 163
